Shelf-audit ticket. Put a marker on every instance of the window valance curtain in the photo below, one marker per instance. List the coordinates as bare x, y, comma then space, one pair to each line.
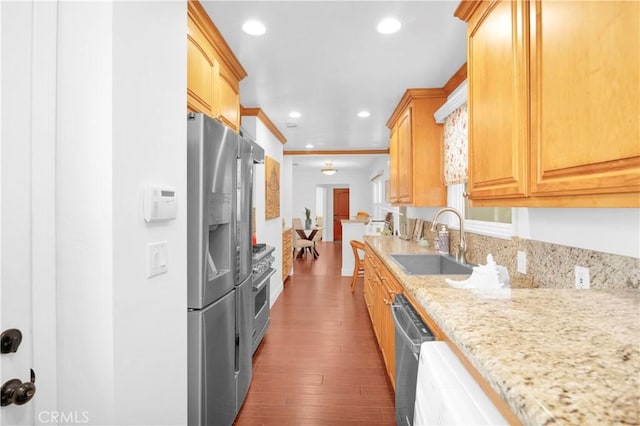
456, 147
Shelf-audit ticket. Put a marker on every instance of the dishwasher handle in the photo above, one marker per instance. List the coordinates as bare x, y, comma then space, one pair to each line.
413, 343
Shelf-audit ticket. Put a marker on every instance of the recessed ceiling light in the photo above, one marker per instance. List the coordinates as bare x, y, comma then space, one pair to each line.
254, 28
308, 146
389, 26
364, 114
295, 114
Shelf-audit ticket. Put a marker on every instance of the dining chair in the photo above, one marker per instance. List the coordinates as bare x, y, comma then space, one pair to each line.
296, 222
316, 238
301, 243
358, 262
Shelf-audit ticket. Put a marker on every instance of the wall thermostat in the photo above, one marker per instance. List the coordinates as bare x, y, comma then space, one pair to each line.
159, 204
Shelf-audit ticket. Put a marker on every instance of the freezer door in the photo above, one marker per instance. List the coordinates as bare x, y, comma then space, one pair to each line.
212, 149
244, 327
211, 369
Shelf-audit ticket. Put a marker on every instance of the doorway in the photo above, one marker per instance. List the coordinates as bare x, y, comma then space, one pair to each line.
340, 211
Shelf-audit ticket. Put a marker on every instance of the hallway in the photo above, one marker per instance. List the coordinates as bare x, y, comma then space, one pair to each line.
319, 363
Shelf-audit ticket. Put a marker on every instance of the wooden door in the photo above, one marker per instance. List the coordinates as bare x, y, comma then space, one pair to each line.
498, 112
340, 211
405, 157
585, 86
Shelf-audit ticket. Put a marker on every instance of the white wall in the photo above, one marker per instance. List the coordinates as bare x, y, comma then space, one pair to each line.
607, 230
121, 125
268, 231
149, 147
85, 213
286, 189
305, 181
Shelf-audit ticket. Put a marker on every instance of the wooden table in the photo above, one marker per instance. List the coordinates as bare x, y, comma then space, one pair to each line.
302, 234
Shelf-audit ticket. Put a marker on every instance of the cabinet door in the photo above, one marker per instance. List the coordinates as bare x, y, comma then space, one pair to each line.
202, 72
405, 157
389, 329
380, 307
585, 86
498, 120
229, 98
393, 166
286, 254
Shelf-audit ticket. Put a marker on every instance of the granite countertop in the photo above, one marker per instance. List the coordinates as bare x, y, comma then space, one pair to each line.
554, 355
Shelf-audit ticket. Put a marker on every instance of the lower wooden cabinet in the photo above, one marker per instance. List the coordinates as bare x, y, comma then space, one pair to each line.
287, 253
379, 292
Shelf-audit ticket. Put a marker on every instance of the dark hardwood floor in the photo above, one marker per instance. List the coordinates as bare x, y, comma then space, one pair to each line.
319, 362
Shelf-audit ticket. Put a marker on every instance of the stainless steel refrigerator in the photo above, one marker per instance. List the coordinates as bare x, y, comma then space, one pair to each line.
219, 197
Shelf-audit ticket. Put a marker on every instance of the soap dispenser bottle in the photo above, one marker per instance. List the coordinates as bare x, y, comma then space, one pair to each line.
442, 240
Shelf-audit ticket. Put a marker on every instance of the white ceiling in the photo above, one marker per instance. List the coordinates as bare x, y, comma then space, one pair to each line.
326, 60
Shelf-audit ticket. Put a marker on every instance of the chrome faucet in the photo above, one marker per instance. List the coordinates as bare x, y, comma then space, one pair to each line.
461, 256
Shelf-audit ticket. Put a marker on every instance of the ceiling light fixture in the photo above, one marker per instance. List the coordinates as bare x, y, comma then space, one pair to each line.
364, 114
295, 114
329, 170
308, 146
254, 28
389, 26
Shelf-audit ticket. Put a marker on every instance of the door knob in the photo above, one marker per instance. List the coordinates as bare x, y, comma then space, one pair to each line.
10, 340
14, 391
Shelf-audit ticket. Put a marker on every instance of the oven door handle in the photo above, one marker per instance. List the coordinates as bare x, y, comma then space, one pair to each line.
264, 280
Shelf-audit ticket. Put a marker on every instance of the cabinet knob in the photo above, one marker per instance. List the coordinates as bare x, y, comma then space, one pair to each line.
465, 194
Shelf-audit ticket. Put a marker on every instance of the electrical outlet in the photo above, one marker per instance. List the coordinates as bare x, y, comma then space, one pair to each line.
582, 277
522, 262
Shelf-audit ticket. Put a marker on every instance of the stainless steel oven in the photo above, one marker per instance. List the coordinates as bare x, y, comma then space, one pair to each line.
262, 272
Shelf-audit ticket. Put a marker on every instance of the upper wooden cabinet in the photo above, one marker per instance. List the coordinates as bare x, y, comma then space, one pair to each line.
554, 117
213, 72
415, 150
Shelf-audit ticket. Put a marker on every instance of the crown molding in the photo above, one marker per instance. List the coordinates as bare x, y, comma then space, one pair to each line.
259, 113
466, 8
339, 152
456, 80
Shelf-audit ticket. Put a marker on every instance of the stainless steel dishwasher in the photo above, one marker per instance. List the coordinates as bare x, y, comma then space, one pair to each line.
410, 333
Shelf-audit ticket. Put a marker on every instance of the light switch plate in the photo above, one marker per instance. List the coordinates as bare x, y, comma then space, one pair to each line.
158, 262
522, 262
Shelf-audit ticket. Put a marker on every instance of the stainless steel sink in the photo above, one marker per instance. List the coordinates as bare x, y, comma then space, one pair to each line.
430, 264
